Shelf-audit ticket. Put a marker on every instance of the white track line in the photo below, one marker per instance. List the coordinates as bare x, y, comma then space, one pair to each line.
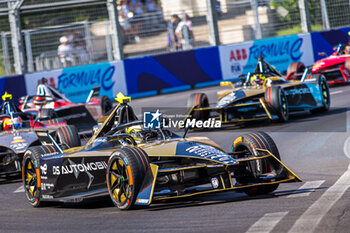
336, 92
20, 189
267, 222
309, 220
307, 188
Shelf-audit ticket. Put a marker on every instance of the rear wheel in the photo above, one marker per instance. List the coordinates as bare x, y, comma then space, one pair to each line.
277, 102
347, 64
68, 136
199, 100
325, 95
126, 171
250, 172
31, 175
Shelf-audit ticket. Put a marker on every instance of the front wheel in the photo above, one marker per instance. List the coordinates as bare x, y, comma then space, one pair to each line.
126, 171
31, 175
277, 102
325, 95
199, 100
252, 171
347, 64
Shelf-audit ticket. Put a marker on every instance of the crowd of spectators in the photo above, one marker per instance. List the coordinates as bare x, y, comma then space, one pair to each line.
132, 14
72, 49
180, 33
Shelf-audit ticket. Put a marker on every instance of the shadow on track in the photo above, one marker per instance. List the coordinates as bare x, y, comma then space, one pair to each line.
296, 117
203, 200
9, 179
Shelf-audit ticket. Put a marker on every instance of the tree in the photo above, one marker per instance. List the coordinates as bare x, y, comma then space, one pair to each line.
338, 12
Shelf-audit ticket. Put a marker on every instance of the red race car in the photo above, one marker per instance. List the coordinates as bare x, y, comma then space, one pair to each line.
18, 133
336, 68
50, 103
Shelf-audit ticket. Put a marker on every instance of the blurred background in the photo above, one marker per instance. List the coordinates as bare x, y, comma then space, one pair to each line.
146, 27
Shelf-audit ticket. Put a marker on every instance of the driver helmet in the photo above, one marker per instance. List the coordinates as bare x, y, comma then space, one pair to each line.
40, 99
135, 132
258, 79
17, 122
8, 123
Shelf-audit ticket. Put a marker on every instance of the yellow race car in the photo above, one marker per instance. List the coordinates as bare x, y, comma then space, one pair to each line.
264, 95
135, 165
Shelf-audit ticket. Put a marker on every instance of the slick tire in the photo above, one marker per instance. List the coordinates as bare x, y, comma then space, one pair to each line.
198, 100
296, 68
126, 171
347, 64
68, 136
48, 113
277, 102
248, 172
325, 94
31, 175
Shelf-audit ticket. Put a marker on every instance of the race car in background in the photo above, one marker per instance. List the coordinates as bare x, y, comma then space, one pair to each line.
264, 94
17, 135
135, 165
335, 68
51, 103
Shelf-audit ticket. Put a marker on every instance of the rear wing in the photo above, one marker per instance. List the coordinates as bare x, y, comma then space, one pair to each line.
46, 139
93, 93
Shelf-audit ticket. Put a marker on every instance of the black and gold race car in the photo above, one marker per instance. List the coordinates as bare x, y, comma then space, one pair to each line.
17, 134
140, 166
264, 94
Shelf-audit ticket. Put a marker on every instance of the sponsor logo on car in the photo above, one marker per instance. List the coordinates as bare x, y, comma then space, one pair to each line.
47, 196
145, 201
17, 139
215, 182
300, 91
43, 169
47, 186
19, 146
80, 167
209, 152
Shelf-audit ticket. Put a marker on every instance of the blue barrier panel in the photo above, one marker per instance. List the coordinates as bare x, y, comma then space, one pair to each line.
76, 82
241, 58
14, 85
325, 41
172, 70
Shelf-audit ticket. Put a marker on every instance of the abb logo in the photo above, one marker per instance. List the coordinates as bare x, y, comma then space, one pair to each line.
238, 54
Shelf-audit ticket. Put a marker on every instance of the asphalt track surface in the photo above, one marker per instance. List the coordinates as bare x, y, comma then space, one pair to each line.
315, 147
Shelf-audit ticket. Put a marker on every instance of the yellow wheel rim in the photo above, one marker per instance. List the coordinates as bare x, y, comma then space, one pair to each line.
119, 181
30, 179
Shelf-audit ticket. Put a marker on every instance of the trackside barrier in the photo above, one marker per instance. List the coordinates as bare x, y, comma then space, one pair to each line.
172, 72
325, 41
166, 73
76, 82
14, 85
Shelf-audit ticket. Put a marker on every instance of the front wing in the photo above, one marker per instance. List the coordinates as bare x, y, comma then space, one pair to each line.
147, 193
